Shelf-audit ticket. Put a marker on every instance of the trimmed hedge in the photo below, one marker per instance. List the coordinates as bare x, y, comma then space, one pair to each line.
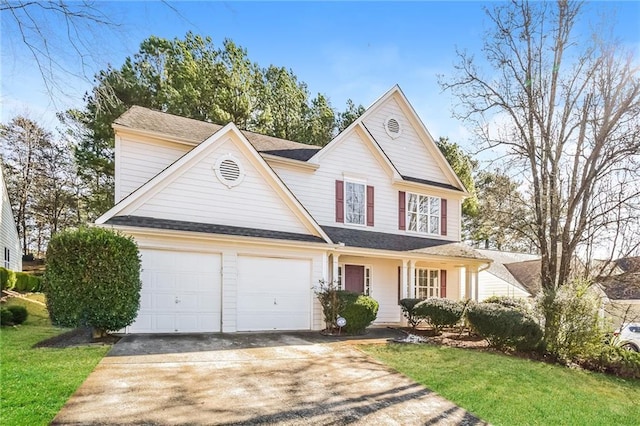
6, 317
359, 311
505, 327
19, 314
92, 279
408, 310
439, 312
7, 279
508, 302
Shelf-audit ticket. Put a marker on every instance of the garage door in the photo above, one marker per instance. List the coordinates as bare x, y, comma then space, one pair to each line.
180, 293
273, 294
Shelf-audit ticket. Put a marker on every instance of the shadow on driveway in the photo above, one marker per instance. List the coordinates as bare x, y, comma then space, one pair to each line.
267, 378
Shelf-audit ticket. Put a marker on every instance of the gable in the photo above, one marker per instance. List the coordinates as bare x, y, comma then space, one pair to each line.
191, 190
408, 152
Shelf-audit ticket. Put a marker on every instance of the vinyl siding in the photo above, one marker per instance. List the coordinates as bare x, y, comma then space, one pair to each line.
8, 232
353, 159
490, 285
137, 161
407, 152
196, 195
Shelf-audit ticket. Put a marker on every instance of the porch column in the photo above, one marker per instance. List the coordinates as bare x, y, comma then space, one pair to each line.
412, 278
334, 268
471, 282
404, 282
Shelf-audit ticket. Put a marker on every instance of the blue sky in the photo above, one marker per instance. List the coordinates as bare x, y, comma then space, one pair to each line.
354, 50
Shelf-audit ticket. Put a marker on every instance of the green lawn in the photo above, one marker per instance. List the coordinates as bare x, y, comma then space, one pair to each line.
37, 382
506, 390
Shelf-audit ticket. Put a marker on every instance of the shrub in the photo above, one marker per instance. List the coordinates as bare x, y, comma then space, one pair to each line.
35, 283
359, 311
6, 317
439, 312
92, 278
577, 332
509, 302
408, 311
327, 294
614, 360
8, 279
19, 313
504, 327
22, 281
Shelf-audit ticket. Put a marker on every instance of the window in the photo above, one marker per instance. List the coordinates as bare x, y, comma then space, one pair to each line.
7, 258
427, 283
355, 203
423, 214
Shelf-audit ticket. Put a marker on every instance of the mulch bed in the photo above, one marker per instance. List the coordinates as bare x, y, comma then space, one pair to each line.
453, 338
81, 336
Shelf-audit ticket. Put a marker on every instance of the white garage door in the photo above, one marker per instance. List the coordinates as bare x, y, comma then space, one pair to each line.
273, 294
180, 293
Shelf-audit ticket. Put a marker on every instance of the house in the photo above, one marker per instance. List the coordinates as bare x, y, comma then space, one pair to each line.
620, 286
9, 239
236, 229
510, 274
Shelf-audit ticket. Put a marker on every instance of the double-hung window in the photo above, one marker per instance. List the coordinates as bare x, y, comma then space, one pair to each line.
427, 283
355, 207
423, 214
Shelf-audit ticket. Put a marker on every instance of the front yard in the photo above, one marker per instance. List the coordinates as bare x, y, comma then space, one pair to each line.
505, 390
37, 382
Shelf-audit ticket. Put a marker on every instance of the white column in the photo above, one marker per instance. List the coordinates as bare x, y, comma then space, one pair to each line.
467, 283
471, 282
412, 278
334, 268
474, 282
404, 282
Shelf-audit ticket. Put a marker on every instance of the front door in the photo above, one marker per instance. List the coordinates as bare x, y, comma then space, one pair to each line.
354, 278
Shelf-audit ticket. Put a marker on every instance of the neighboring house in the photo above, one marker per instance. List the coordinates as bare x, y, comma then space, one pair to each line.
499, 280
621, 291
236, 229
9, 239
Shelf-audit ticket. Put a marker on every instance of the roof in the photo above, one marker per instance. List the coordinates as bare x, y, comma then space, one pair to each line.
502, 258
394, 242
528, 274
196, 131
629, 264
431, 183
206, 228
622, 287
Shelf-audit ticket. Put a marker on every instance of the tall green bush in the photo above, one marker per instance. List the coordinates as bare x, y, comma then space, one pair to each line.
92, 279
359, 311
7, 279
439, 312
578, 333
504, 327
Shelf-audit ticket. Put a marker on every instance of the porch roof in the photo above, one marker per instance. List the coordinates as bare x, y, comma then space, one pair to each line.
401, 243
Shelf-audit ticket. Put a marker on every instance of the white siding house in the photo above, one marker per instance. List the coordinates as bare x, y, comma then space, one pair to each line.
9, 239
498, 280
236, 229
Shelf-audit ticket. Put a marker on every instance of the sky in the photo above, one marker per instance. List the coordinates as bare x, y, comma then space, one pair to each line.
345, 50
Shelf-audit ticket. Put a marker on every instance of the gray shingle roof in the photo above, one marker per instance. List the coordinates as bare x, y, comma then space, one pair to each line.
395, 242
502, 258
196, 131
178, 225
528, 274
622, 287
431, 183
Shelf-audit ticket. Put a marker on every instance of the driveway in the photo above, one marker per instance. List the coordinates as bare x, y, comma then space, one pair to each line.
286, 378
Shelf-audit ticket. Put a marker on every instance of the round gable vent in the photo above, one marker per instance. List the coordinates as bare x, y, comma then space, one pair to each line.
229, 171
392, 127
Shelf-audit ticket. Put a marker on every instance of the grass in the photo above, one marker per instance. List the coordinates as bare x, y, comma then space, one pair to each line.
505, 390
36, 383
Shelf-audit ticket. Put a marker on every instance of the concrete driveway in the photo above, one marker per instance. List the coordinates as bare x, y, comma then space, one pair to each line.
289, 378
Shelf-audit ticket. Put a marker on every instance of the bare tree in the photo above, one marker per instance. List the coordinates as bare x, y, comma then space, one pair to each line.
566, 111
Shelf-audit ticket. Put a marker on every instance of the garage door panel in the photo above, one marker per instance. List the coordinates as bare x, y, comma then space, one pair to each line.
273, 294
180, 292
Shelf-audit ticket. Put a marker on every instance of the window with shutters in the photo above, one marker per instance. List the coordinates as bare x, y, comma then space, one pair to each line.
427, 283
355, 203
423, 214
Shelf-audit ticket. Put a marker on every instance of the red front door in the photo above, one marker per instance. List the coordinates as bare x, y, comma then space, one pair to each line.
354, 278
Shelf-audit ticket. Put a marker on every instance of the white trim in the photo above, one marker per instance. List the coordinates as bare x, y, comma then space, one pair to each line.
364, 201
428, 285
417, 231
219, 172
